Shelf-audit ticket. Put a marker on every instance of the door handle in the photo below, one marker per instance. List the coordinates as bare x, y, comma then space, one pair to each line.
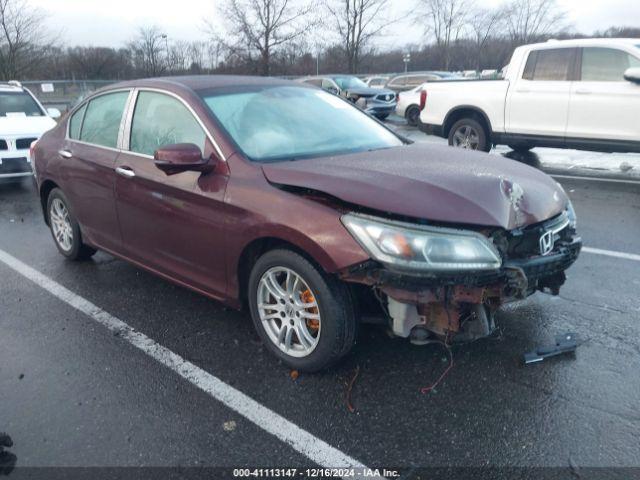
125, 172
583, 92
523, 90
65, 153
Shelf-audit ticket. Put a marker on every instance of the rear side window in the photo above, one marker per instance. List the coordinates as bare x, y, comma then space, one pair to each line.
102, 119
550, 65
161, 120
606, 64
398, 82
314, 81
76, 123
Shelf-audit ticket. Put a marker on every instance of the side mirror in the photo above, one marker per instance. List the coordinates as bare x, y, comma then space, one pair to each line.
182, 157
632, 75
333, 90
54, 113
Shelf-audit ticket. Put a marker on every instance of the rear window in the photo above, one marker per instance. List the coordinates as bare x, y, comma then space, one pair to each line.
18, 104
549, 65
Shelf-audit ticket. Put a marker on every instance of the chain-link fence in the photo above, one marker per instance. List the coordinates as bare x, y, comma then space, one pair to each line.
63, 94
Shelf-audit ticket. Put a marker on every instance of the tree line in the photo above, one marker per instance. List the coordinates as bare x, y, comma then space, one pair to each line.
294, 37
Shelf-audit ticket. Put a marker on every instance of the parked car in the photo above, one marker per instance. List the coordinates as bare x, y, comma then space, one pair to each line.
376, 82
582, 94
411, 104
409, 81
285, 200
378, 102
22, 121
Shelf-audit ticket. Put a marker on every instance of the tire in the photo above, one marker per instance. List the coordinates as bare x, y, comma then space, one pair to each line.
335, 329
473, 135
382, 117
68, 238
413, 115
521, 148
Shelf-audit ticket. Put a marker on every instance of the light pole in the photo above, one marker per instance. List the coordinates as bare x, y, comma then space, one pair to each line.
407, 60
165, 37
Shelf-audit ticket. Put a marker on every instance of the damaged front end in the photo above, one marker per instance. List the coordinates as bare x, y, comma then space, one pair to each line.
447, 283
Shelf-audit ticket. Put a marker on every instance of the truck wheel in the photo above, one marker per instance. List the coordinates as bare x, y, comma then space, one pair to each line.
304, 316
65, 229
413, 115
468, 133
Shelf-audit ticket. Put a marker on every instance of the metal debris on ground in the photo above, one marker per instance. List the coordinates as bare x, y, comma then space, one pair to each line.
566, 343
350, 407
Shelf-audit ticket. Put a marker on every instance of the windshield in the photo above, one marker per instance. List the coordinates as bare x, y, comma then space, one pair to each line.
290, 123
346, 83
18, 104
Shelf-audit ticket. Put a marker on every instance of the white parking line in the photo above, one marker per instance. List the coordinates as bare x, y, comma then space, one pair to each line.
611, 253
299, 439
596, 179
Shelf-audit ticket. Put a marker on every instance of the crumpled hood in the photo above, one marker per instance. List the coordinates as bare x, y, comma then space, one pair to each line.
27, 126
431, 182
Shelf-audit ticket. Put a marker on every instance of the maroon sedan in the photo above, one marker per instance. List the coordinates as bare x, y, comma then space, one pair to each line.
286, 200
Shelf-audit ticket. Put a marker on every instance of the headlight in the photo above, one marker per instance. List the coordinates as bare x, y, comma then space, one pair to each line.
571, 215
420, 247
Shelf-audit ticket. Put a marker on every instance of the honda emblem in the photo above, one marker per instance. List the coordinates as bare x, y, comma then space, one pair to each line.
546, 243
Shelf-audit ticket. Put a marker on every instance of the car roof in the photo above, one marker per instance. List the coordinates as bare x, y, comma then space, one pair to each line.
200, 82
5, 87
585, 42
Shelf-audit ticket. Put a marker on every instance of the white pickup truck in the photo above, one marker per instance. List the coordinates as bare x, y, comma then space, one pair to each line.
582, 94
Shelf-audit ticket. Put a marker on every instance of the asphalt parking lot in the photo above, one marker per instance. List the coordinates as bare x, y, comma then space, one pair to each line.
76, 394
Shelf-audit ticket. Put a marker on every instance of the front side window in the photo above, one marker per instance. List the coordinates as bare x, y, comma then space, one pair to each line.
418, 80
272, 124
102, 119
160, 120
19, 104
398, 82
549, 65
606, 64
76, 123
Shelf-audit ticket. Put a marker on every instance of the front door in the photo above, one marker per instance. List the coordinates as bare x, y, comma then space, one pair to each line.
171, 224
538, 102
604, 105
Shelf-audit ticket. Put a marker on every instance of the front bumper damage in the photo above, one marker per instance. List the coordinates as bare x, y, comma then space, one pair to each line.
460, 307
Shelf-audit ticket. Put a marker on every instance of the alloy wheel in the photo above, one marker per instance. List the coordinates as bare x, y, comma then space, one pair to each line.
466, 137
61, 224
289, 312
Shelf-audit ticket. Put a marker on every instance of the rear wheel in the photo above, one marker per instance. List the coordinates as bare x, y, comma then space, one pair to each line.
304, 316
65, 229
413, 115
469, 134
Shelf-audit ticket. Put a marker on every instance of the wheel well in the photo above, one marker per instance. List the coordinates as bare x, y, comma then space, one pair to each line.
45, 190
255, 250
461, 113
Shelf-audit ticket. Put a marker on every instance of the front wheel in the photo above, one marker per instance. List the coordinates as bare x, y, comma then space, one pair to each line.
304, 316
469, 134
65, 229
382, 117
521, 148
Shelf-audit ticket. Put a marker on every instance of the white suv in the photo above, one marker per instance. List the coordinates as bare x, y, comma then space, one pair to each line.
23, 120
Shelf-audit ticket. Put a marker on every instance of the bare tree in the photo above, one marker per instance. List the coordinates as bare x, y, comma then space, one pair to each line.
258, 29
446, 22
357, 23
483, 24
149, 51
22, 38
529, 20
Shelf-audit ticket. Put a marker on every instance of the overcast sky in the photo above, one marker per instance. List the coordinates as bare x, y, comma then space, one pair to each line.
114, 22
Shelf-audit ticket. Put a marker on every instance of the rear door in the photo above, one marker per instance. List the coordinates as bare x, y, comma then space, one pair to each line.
604, 105
171, 224
538, 101
88, 166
